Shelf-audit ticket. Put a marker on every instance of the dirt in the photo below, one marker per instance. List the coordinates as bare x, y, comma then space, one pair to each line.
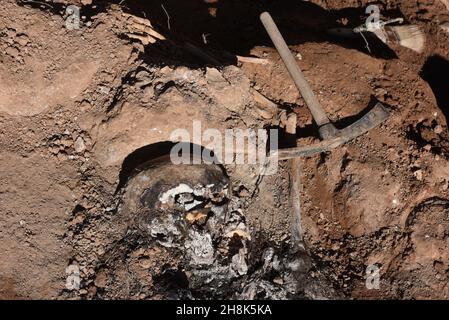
90, 207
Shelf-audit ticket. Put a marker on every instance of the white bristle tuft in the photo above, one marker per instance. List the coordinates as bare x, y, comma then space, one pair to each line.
411, 37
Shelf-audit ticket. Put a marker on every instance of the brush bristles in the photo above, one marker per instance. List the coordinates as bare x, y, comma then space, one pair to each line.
411, 37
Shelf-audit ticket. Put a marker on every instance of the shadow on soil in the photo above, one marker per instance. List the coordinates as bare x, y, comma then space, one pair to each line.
223, 29
435, 71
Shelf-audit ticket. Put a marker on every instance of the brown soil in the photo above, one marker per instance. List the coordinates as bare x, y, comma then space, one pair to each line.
85, 123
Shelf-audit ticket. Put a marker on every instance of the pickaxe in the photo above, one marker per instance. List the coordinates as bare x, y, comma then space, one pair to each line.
330, 135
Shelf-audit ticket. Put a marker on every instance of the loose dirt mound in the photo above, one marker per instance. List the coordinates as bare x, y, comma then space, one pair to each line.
89, 210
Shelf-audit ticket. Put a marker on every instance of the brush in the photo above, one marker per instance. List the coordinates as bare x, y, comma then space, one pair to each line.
408, 36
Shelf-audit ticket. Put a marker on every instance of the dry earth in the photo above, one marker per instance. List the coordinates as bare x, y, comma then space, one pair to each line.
85, 123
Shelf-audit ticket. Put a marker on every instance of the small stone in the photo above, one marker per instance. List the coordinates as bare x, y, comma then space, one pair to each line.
418, 175
142, 75
84, 106
61, 157
104, 90
427, 147
166, 70
11, 51
438, 129
445, 186
335, 246
66, 142
101, 280
145, 263
86, 2
79, 145
445, 26
22, 40
213, 75
148, 93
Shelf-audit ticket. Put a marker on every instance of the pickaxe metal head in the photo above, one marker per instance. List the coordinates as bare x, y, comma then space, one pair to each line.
372, 119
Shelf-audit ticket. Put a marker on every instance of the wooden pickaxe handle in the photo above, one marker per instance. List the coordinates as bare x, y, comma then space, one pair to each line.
326, 128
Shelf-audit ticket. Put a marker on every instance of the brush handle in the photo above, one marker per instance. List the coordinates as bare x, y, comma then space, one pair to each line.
301, 83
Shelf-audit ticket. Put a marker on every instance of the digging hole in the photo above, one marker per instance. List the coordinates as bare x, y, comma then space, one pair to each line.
435, 71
